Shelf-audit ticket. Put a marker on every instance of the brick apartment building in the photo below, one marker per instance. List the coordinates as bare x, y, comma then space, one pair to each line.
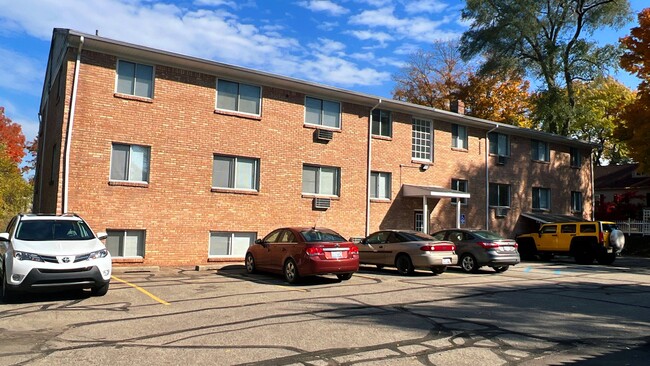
186, 161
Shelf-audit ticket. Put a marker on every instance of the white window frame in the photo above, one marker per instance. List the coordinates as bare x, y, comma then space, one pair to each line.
501, 143
576, 201
232, 236
322, 113
318, 183
128, 163
454, 185
459, 139
379, 123
538, 196
233, 172
140, 249
540, 151
422, 139
238, 101
497, 187
133, 89
418, 221
374, 190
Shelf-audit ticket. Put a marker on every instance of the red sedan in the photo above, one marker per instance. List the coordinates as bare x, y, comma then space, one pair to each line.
298, 252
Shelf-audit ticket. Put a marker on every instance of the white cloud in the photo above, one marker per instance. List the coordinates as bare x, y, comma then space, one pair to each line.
325, 6
419, 29
327, 46
365, 35
342, 72
20, 73
424, 6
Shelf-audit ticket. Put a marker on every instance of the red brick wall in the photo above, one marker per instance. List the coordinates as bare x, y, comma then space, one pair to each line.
178, 209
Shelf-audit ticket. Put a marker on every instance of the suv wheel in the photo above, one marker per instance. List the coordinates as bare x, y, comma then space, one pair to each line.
7, 294
606, 258
584, 255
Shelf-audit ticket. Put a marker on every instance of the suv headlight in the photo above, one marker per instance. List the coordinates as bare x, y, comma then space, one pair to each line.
24, 256
98, 254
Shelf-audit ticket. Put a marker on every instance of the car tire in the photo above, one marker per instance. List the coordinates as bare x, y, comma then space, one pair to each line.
546, 257
380, 266
500, 269
250, 263
344, 276
404, 265
468, 263
100, 290
439, 269
606, 258
7, 294
527, 248
584, 255
290, 271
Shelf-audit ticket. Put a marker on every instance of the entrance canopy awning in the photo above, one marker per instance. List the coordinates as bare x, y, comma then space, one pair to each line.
434, 192
544, 218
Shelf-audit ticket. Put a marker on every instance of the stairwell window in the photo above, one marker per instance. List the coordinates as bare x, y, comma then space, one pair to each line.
576, 201
237, 97
459, 185
381, 123
421, 139
322, 112
130, 163
321, 180
576, 158
134, 79
232, 172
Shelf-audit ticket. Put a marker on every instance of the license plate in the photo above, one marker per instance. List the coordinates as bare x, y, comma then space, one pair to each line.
337, 254
508, 249
446, 260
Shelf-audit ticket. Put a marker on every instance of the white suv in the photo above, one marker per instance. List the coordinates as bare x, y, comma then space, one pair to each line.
52, 252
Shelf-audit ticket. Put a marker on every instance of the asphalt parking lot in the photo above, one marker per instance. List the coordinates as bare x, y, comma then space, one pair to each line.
535, 313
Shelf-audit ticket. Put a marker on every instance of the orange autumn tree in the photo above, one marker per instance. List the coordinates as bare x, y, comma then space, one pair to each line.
635, 127
11, 136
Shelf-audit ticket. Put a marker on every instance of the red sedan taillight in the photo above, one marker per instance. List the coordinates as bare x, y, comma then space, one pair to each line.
314, 251
354, 250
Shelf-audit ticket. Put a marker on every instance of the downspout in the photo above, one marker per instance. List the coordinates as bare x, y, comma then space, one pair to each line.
68, 136
39, 155
593, 188
369, 167
487, 179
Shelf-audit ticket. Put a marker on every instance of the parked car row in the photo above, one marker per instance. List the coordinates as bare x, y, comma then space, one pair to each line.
297, 252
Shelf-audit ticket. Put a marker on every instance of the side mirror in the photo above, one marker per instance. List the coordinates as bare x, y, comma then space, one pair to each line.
102, 235
259, 241
364, 241
4, 236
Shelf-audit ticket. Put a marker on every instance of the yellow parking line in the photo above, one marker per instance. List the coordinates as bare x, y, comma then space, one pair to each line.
141, 290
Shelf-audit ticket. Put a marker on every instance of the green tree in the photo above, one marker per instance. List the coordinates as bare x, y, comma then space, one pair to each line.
15, 192
547, 40
599, 108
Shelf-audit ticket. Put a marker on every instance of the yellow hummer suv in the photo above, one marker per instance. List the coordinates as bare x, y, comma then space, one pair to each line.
585, 241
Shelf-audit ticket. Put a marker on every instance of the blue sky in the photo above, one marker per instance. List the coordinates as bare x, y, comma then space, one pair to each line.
353, 44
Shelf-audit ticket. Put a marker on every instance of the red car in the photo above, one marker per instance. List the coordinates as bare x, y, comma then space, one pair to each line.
298, 252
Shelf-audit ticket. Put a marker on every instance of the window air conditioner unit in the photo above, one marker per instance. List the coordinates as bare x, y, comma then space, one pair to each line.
322, 203
501, 160
500, 211
324, 135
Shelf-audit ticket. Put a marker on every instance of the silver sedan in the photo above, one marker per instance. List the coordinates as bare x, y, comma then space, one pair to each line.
477, 248
407, 250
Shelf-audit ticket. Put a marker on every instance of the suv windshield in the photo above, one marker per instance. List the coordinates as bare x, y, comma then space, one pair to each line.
312, 236
46, 230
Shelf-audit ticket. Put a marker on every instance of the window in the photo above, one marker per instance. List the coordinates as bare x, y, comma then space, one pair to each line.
459, 136
238, 97
568, 228
422, 139
459, 185
541, 198
230, 244
499, 195
235, 173
576, 201
549, 229
380, 185
134, 79
381, 123
125, 243
539, 150
499, 144
419, 221
576, 158
320, 180
322, 112
130, 163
